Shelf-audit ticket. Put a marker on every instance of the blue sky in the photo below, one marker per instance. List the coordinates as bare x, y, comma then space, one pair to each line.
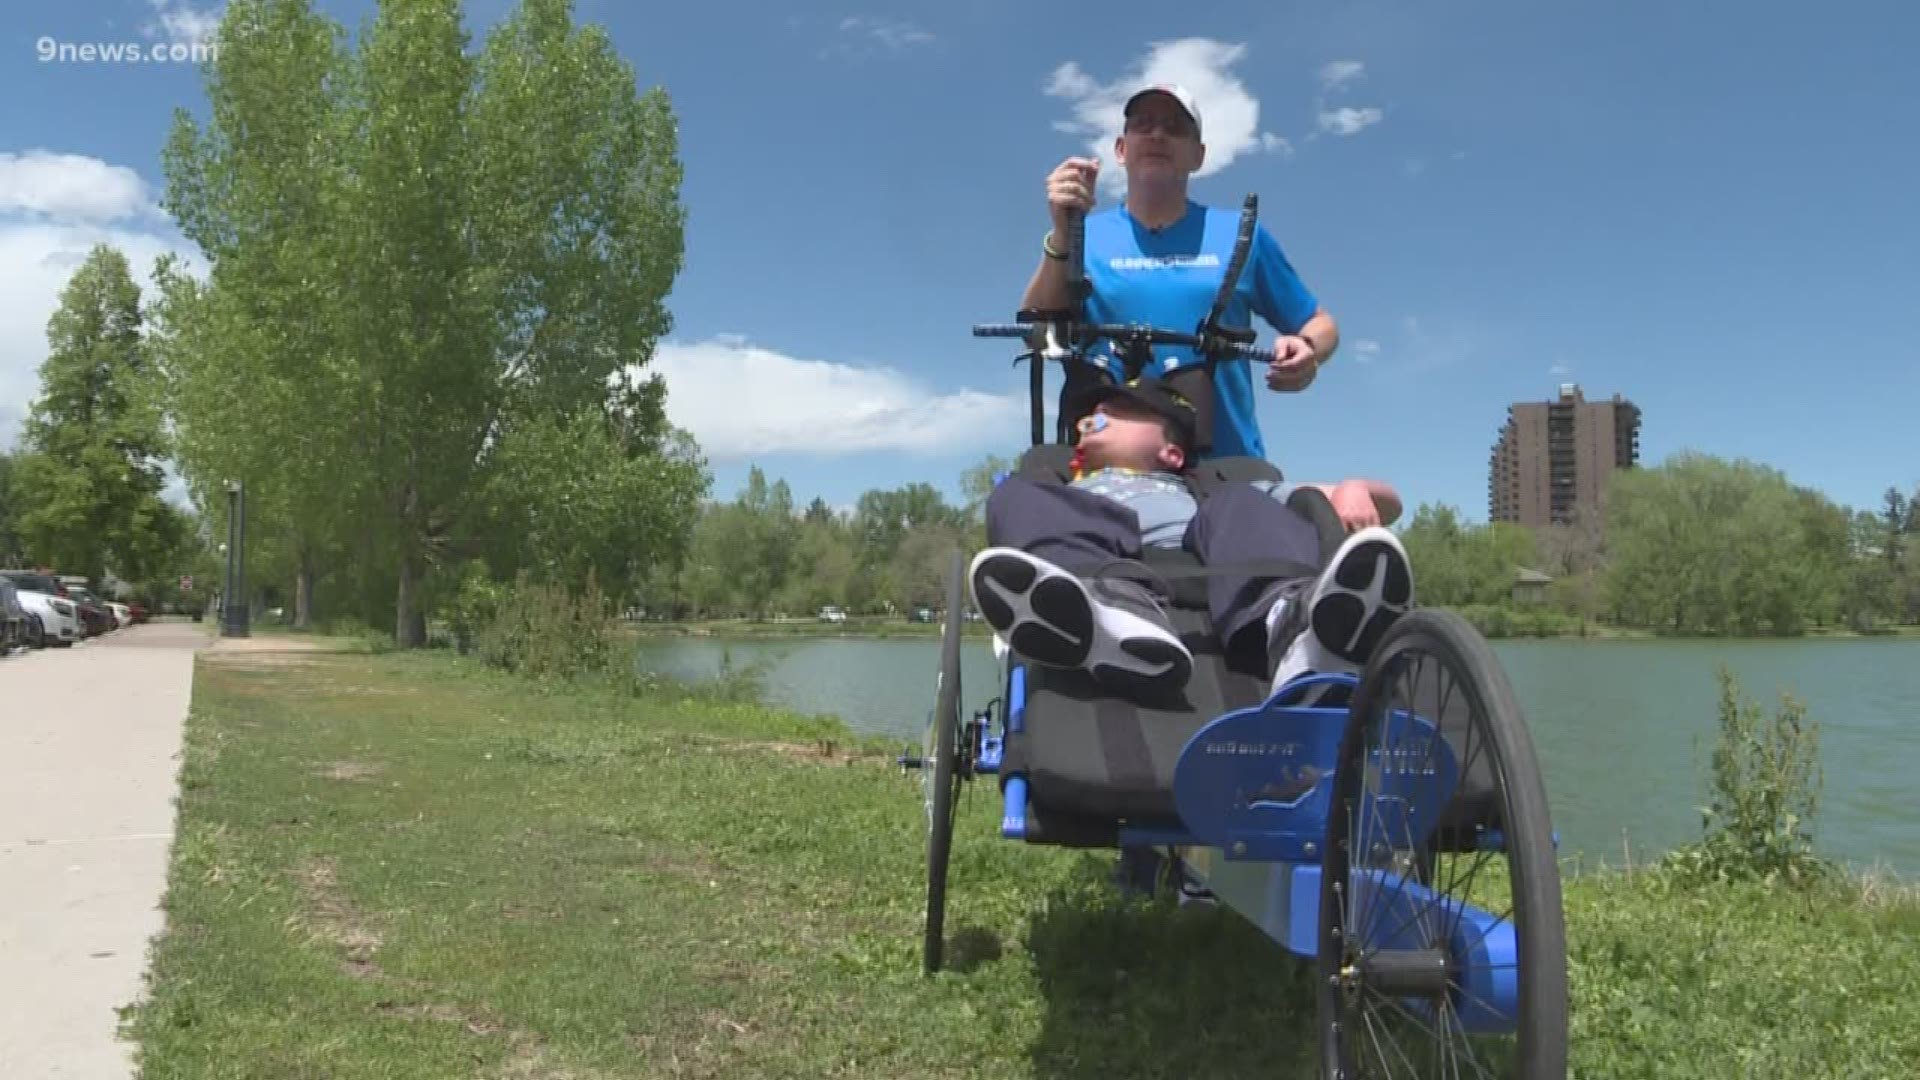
1707, 207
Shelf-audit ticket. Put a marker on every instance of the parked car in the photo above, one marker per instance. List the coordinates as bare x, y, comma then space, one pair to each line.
122, 614
14, 627
138, 610
833, 614
94, 615
57, 615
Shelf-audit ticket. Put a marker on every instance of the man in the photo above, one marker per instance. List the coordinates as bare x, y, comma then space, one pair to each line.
1160, 257
1064, 584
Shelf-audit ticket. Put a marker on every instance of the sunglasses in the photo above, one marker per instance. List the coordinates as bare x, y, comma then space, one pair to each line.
1177, 126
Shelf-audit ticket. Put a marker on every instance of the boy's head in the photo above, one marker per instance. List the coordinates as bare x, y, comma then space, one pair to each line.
1141, 425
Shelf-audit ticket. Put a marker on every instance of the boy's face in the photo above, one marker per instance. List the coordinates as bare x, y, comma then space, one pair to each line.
1121, 434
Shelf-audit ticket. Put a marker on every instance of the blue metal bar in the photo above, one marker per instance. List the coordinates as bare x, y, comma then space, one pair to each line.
1484, 950
1013, 814
1013, 789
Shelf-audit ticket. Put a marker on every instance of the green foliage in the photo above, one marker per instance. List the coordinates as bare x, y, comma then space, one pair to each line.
1519, 621
475, 605
570, 495
1460, 565
12, 549
1765, 787
436, 276
1702, 545
547, 631
88, 490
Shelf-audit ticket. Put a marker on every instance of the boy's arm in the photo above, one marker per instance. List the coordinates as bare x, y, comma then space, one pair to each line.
1362, 502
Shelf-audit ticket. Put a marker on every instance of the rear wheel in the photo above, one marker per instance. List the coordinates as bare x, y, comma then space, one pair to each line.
1442, 942
940, 767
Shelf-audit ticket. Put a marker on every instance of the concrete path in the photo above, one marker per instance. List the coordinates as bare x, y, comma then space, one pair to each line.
89, 761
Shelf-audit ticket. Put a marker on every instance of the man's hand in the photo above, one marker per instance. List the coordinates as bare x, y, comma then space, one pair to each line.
1294, 364
1070, 187
1353, 501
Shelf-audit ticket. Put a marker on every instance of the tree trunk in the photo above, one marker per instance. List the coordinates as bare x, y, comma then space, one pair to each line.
409, 631
303, 594
409, 628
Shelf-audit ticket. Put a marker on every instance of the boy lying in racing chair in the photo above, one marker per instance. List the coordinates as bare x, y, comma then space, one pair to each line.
1064, 585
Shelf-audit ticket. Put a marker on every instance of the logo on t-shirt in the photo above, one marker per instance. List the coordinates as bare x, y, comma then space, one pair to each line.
1205, 259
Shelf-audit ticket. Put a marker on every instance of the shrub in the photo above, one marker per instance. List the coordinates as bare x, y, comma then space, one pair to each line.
1765, 787
546, 631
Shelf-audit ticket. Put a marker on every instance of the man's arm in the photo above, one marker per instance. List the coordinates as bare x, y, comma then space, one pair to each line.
1323, 333
1048, 289
1308, 334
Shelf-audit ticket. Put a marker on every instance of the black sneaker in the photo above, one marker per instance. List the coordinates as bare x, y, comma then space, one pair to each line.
1114, 629
1348, 608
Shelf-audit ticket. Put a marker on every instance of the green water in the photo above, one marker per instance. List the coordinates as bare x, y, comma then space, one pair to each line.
1623, 728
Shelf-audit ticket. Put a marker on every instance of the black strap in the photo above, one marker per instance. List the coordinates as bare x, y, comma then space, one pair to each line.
1123, 744
1285, 568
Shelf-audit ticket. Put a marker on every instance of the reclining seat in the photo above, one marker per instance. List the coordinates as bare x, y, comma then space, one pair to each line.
1095, 760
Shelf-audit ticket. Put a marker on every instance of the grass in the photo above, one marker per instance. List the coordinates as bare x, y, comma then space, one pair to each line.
405, 866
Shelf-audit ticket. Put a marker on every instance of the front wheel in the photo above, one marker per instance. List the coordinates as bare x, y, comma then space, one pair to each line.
1442, 947
940, 767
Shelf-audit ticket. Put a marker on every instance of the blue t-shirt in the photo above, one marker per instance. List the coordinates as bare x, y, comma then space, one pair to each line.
1168, 278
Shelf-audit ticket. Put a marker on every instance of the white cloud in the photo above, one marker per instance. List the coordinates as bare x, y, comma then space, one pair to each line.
741, 401
40, 257
1365, 350
1337, 73
182, 23
892, 33
70, 188
179, 22
1560, 371
1229, 112
1347, 120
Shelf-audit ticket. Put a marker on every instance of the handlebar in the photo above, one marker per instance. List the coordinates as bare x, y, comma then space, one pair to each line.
1083, 334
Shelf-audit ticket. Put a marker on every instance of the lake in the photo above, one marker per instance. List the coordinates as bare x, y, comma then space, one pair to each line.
1623, 728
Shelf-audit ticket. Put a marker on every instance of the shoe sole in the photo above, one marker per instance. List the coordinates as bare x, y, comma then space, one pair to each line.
1048, 616
1371, 587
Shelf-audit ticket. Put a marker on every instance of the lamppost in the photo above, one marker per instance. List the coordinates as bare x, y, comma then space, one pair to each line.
233, 621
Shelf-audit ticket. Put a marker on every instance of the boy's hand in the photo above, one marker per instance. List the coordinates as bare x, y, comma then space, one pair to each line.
1354, 503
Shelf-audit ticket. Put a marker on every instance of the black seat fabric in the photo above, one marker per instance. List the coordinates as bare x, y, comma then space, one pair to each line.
1093, 758
1091, 753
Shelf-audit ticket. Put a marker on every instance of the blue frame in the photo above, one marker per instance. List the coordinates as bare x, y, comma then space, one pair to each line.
1258, 850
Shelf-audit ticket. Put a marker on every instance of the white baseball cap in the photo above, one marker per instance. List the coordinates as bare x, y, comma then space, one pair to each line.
1175, 91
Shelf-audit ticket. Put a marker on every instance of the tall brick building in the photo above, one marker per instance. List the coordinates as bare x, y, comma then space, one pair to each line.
1553, 457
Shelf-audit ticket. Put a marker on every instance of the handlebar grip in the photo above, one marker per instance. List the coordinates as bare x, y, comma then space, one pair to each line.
1250, 352
1012, 330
